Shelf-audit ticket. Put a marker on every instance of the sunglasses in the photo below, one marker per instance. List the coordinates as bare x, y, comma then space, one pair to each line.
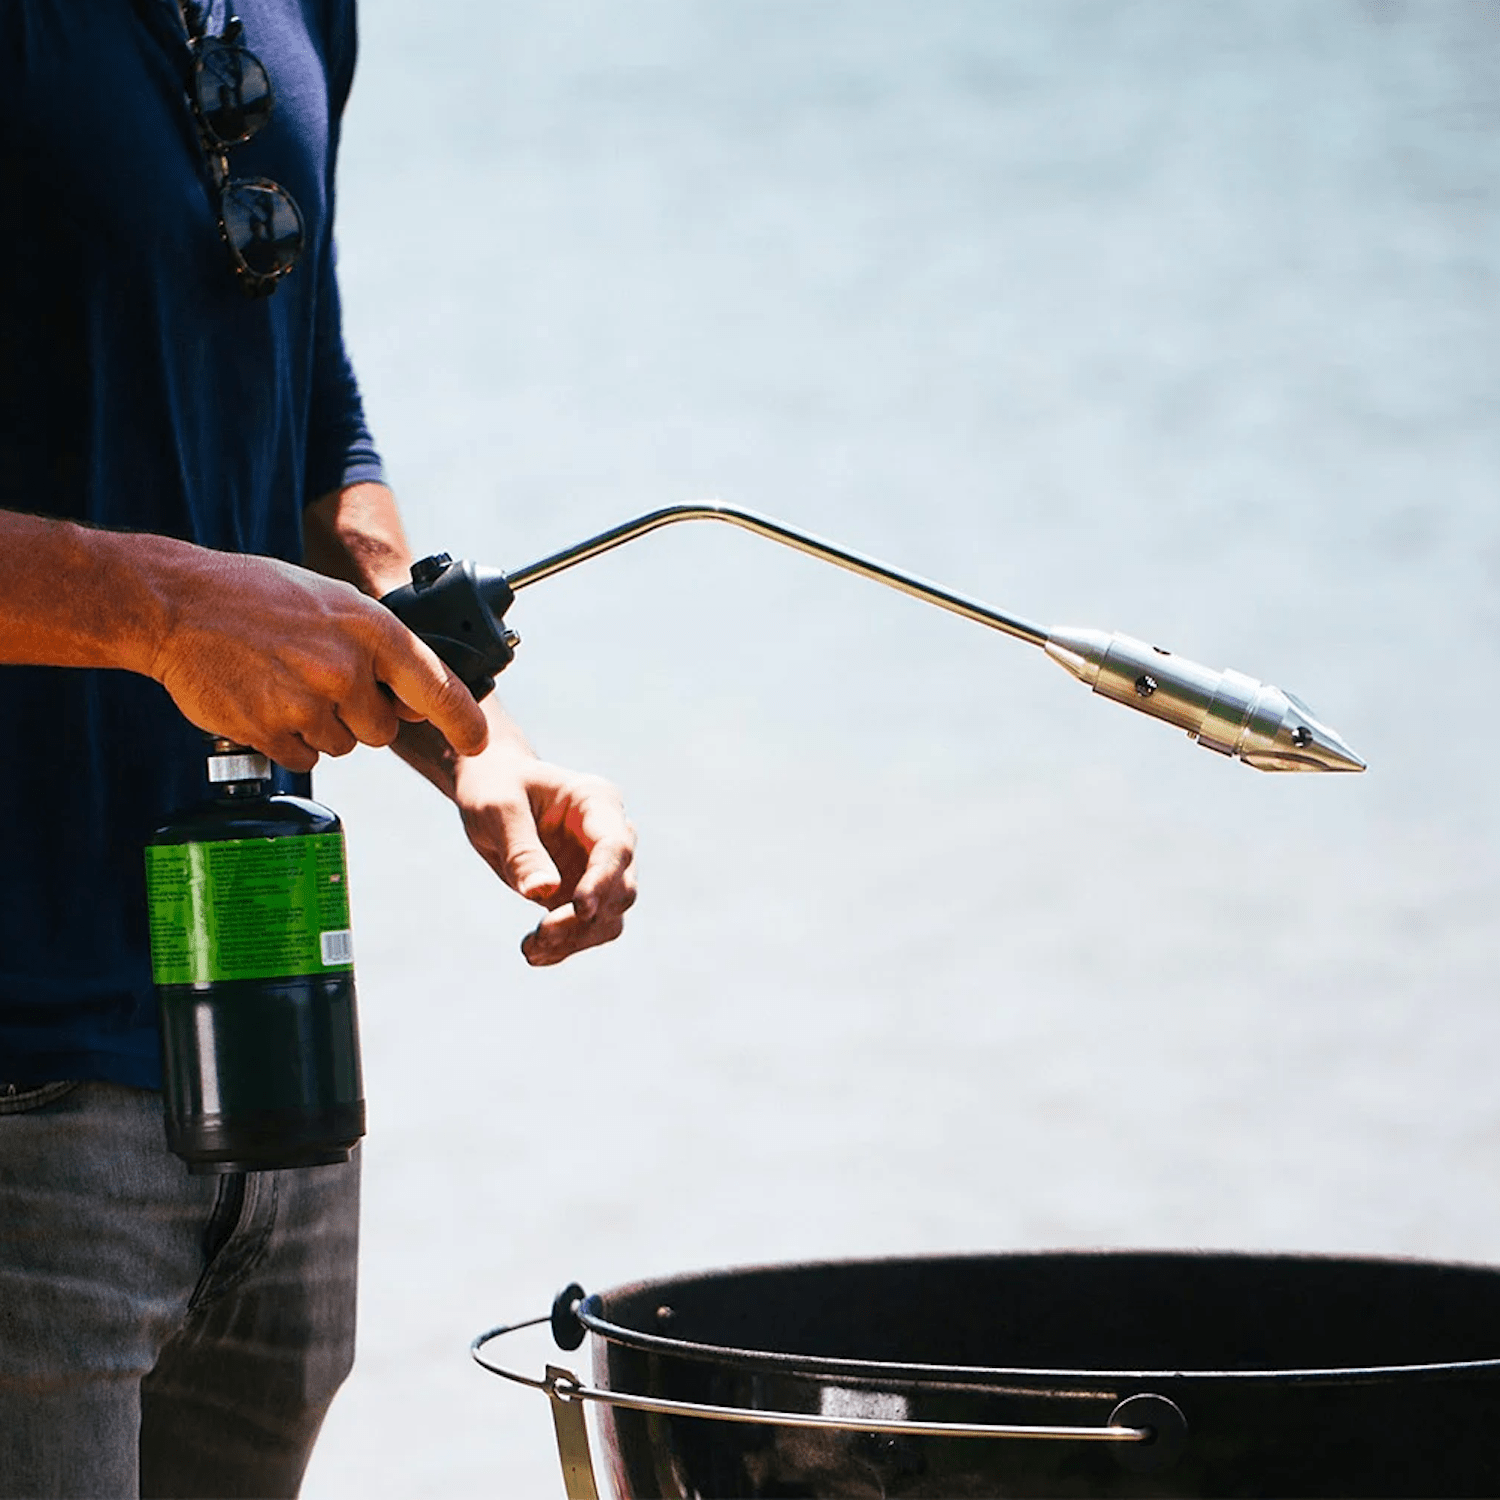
231, 96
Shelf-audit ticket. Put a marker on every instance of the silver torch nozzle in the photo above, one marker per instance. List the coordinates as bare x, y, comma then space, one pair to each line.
1224, 711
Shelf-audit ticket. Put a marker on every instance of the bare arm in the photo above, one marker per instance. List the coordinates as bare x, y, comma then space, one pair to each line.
558, 837
72, 597
257, 650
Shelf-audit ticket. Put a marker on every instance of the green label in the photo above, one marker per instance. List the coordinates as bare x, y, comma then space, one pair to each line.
248, 909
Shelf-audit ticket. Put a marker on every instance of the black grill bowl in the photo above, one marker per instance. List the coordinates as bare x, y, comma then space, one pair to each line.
1297, 1375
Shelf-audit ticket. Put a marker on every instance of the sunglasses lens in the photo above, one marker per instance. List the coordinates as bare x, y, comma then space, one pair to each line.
233, 92
263, 226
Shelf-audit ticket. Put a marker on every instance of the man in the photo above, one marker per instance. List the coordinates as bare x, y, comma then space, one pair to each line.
172, 452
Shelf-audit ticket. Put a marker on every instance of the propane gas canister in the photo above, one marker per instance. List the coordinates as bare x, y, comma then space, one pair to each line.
251, 956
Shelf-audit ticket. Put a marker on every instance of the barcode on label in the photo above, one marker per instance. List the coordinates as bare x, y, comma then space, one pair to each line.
338, 947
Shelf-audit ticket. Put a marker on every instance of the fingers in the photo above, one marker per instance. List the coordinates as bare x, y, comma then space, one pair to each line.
357, 709
604, 892
424, 686
300, 752
289, 750
558, 838
373, 719
328, 734
505, 833
563, 932
607, 883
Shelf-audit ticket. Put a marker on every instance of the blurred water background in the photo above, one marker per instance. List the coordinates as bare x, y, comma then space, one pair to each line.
1174, 318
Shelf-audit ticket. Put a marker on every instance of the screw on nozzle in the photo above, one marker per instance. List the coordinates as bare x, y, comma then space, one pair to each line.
231, 764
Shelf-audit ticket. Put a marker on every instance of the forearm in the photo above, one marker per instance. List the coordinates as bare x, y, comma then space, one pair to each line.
425, 750
250, 648
72, 596
356, 534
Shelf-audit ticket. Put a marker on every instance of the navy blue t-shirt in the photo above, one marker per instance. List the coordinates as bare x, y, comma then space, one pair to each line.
141, 390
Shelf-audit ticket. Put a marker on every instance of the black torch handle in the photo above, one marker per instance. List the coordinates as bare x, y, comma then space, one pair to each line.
459, 610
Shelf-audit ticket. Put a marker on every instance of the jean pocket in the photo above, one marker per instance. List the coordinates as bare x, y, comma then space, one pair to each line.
16, 1099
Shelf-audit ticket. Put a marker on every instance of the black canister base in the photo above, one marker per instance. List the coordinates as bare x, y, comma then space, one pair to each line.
270, 1140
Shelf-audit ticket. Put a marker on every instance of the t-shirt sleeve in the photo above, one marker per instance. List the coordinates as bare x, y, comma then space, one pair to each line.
340, 449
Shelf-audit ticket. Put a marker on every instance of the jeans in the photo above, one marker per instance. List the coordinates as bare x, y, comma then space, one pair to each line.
161, 1334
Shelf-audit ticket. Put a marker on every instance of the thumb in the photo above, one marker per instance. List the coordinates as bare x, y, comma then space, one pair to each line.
527, 867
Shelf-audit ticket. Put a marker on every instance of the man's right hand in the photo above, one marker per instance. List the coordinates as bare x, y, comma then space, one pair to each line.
296, 664
267, 654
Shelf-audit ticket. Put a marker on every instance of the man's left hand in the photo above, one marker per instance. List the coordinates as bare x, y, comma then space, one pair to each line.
557, 837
